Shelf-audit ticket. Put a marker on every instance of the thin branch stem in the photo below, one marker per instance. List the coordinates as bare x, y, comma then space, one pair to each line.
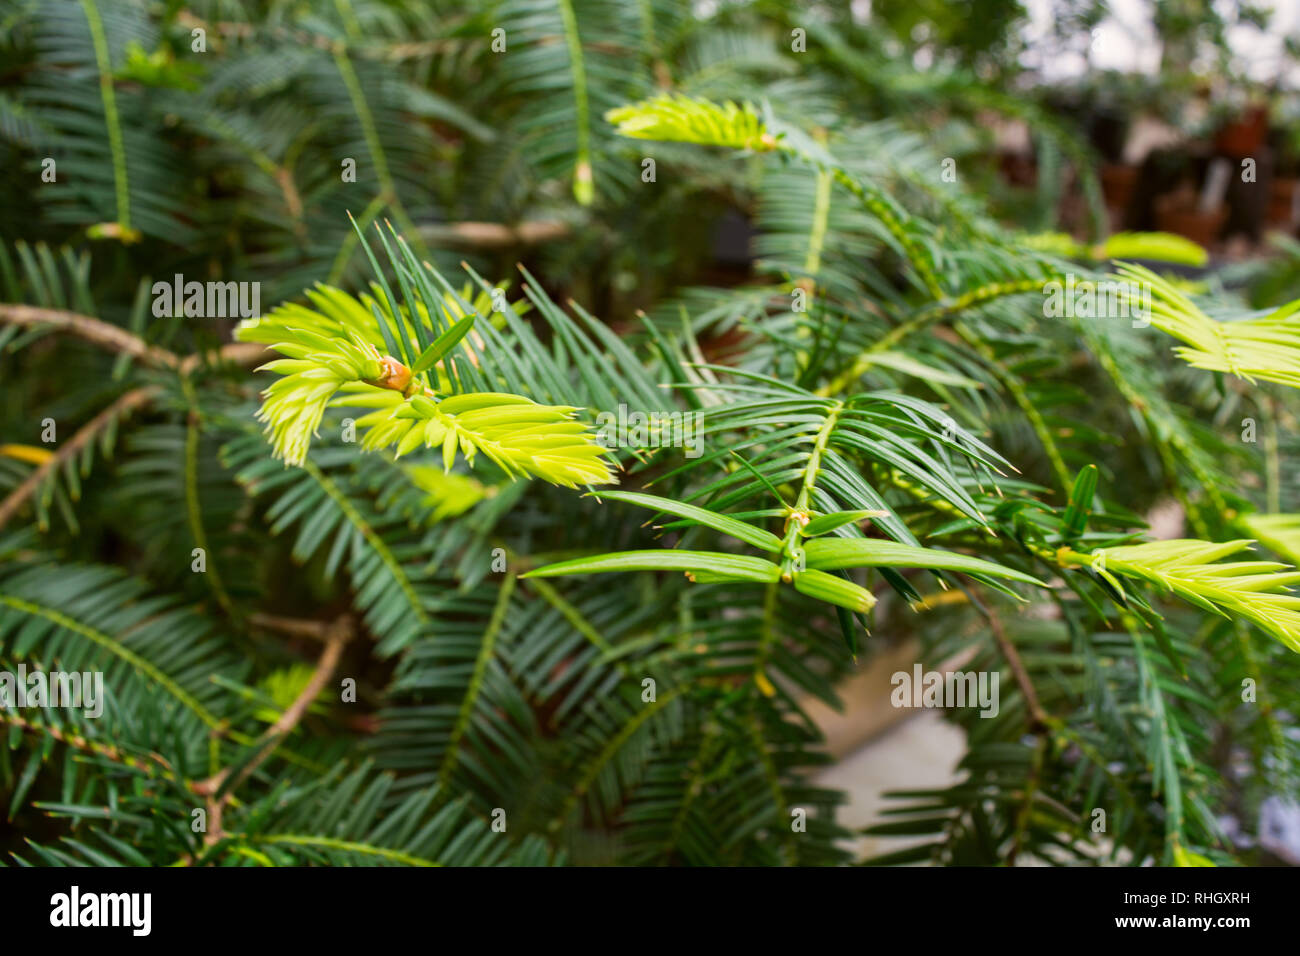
495, 235
86, 434
115, 339
85, 745
1038, 719
94, 330
221, 786
926, 317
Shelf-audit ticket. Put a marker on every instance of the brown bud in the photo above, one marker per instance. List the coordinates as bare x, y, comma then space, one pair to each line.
392, 374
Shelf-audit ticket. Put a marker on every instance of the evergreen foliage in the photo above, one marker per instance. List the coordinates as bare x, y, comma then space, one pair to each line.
390, 597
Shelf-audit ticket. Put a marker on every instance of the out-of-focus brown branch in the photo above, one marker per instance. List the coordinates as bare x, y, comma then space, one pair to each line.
119, 340
1038, 719
1039, 725
94, 330
86, 434
336, 635
236, 353
299, 627
494, 235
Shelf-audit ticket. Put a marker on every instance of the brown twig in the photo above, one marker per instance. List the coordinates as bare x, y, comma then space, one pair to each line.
1039, 725
1038, 720
86, 434
494, 235
236, 353
119, 340
92, 329
294, 626
220, 787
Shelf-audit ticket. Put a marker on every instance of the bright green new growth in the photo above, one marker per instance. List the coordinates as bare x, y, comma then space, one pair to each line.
805, 564
684, 119
335, 356
519, 435
1281, 533
1264, 348
447, 494
1255, 590
1163, 246
1160, 246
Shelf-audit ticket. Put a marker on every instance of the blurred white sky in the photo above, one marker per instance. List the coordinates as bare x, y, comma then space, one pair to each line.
1127, 41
